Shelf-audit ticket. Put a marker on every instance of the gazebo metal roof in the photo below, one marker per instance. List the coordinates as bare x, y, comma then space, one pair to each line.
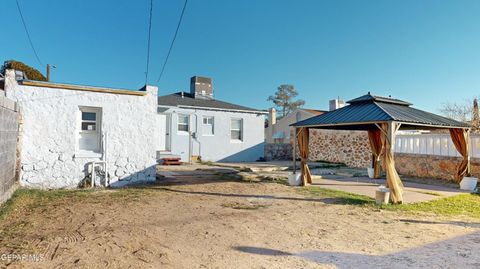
364, 112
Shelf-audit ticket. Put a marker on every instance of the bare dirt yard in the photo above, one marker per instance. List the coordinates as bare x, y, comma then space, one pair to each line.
205, 219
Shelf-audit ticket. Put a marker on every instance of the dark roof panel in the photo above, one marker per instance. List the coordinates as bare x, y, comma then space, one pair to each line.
413, 115
176, 99
370, 98
361, 112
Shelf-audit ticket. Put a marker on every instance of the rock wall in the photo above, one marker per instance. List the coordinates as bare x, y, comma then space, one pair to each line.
50, 157
278, 151
349, 147
430, 166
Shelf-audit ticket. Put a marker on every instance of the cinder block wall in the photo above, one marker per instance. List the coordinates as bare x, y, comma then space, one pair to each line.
8, 146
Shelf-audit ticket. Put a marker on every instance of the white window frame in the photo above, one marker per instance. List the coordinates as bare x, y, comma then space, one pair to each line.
98, 132
208, 126
241, 130
180, 115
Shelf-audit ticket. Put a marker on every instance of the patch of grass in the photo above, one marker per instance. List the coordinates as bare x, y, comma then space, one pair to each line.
337, 197
237, 205
27, 199
31, 198
430, 193
458, 205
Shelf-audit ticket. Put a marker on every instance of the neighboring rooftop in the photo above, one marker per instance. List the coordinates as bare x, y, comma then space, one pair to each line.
184, 99
364, 111
314, 111
74, 87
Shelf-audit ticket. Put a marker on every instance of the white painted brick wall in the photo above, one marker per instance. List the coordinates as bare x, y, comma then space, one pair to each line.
50, 132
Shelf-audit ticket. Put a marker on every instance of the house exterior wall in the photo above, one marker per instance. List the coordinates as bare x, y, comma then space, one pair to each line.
219, 146
50, 158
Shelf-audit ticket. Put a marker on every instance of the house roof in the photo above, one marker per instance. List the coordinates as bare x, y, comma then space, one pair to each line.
314, 111
363, 112
187, 100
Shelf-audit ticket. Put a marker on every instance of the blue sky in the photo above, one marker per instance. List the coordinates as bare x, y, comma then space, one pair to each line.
426, 52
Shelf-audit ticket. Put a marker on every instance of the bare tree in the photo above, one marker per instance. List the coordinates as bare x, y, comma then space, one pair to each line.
458, 111
283, 99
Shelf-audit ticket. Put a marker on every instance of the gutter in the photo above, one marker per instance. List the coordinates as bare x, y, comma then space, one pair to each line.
218, 109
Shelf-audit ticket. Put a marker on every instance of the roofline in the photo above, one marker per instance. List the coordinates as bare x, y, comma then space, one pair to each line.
434, 126
338, 124
64, 86
373, 122
219, 109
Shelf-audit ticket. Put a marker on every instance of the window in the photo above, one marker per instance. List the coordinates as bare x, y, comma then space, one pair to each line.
236, 129
208, 125
89, 134
183, 122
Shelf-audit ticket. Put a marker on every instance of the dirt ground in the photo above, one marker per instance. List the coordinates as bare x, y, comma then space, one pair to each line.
196, 221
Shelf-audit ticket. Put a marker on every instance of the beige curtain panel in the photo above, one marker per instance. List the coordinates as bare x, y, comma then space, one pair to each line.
375, 138
303, 140
393, 179
461, 138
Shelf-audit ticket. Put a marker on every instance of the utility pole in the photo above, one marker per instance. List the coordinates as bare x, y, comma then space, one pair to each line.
48, 71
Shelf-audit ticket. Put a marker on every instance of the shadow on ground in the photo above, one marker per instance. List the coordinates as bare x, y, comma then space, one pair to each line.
434, 255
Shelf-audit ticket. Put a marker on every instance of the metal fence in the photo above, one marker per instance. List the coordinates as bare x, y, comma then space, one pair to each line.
433, 144
8, 145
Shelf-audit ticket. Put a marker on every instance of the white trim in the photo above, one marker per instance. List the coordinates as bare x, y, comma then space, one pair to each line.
217, 109
242, 131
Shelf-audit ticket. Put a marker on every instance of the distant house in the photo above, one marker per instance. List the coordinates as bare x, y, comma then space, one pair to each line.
197, 126
279, 135
278, 131
67, 129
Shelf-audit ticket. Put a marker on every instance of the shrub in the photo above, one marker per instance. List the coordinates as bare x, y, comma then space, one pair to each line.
30, 72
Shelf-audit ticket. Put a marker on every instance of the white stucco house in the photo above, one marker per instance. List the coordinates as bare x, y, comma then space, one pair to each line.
67, 127
198, 126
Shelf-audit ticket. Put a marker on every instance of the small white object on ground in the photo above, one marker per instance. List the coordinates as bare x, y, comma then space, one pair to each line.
382, 195
370, 172
468, 183
294, 179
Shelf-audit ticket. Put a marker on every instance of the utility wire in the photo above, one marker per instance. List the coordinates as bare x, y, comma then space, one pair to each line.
148, 42
28, 34
173, 40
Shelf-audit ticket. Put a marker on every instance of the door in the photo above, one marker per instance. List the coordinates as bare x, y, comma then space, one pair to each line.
168, 130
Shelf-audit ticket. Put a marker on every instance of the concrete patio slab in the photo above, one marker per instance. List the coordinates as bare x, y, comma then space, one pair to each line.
413, 192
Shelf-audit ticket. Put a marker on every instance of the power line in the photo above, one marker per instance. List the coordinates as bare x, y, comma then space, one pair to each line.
148, 42
173, 41
28, 34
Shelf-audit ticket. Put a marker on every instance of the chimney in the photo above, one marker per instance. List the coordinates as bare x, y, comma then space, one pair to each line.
336, 104
272, 116
201, 87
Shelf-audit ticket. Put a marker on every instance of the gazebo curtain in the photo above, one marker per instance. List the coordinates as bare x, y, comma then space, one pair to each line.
375, 138
303, 140
461, 139
393, 180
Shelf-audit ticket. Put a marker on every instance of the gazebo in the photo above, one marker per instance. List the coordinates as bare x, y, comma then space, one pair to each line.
382, 117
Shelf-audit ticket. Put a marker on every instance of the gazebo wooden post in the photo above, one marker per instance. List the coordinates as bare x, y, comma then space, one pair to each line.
294, 150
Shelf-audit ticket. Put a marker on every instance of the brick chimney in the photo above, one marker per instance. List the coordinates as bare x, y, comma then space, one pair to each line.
272, 116
201, 87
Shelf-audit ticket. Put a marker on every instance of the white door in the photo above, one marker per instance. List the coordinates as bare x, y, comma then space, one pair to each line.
168, 130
